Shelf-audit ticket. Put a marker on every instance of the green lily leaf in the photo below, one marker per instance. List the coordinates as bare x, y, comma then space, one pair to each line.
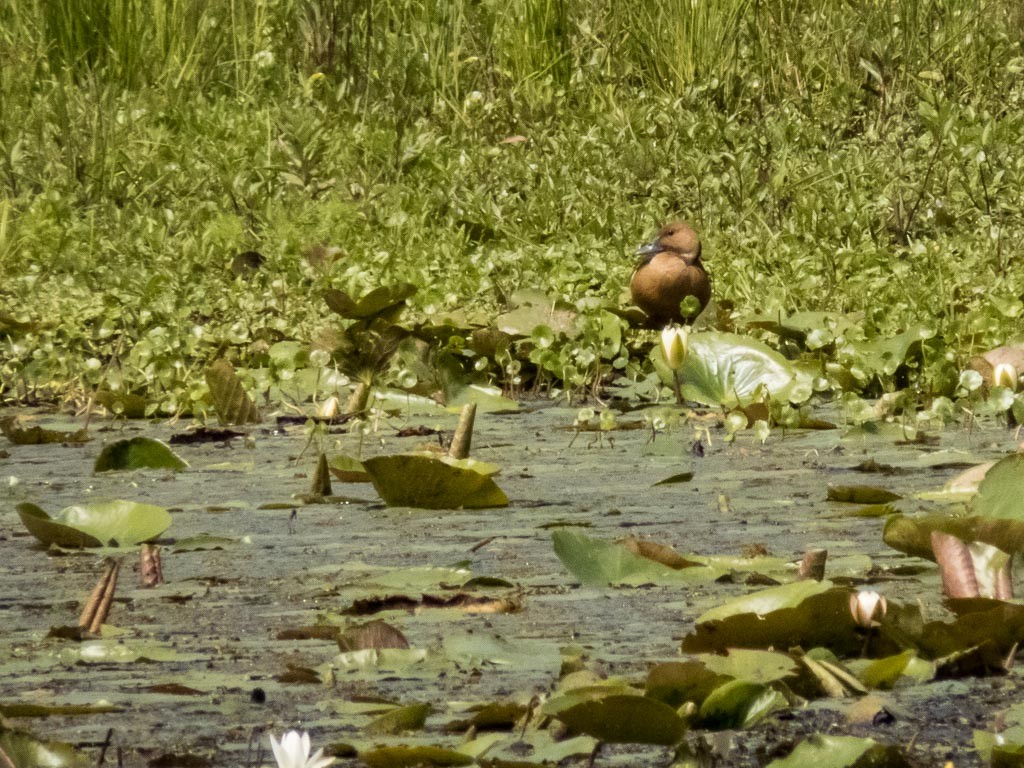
1001, 490
885, 356
430, 481
805, 614
138, 453
409, 718
23, 749
620, 719
767, 600
750, 665
730, 370
348, 469
841, 752
112, 523
599, 563
411, 757
739, 704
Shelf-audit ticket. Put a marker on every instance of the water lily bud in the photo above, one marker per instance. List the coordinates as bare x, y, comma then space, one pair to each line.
867, 607
674, 343
1005, 376
328, 409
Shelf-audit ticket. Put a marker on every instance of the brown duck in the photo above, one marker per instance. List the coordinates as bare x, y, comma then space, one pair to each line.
670, 271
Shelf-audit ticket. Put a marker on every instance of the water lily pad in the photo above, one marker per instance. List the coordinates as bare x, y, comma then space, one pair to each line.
600, 563
138, 453
821, 751
626, 720
411, 757
23, 749
429, 481
739, 704
348, 469
408, 718
112, 523
730, 370
1001, 491
803, 614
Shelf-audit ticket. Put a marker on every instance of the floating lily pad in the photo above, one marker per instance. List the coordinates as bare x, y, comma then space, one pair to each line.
620, 719
138, 453
803, 614
739, 704
411, 757
730, 370
23, 749
112, 523
348, 469
429, 481
600, 563
17, 433
408, 718
821, 751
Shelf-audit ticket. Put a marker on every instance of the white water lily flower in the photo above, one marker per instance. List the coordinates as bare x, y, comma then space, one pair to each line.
293, 752
675, 345
867, 607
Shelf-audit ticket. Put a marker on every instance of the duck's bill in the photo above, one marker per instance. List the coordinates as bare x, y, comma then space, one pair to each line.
649, 249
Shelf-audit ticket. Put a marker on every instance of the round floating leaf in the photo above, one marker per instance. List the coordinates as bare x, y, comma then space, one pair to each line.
1001, 491
348, 469
429, 481
767, 600
599, 563
138, 453
409, 718
754, 666
626, 720
726, 369
840, 752
410, 757
739, 704
115, 523
23, 749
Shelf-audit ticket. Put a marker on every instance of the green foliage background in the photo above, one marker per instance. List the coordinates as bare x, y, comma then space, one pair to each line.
855, 157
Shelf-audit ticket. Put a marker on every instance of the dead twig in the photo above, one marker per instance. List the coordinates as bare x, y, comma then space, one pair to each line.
98, 605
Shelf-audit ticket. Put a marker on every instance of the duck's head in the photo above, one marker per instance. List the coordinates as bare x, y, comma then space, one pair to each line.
677, 238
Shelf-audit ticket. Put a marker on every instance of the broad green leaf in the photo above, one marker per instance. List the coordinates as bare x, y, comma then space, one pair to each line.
1001, 492
620, 719
408, 718
738, 704
599, 563
24, 750
767, 600
111, 523
730, 370
884, 673
794, 615
430, 481
753, 666
413, 757
138, 453
821, 751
